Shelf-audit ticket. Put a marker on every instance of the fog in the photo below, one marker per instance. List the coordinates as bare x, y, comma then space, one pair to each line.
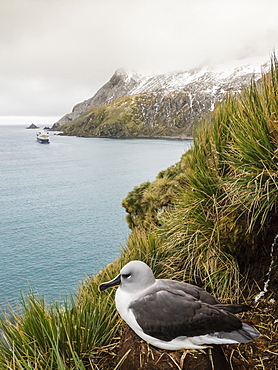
57, 53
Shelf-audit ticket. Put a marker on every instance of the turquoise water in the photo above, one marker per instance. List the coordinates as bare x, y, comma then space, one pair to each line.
60, 206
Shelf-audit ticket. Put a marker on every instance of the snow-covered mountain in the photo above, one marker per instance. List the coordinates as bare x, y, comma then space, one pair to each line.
157, 105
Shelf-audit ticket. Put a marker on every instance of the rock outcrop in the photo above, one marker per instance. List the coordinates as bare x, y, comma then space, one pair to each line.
168, 105
32, 126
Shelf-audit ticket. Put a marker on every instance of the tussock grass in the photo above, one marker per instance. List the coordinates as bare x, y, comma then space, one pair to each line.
231, 190
56, 336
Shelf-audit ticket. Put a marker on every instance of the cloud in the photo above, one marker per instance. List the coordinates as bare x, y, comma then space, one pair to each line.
56, 53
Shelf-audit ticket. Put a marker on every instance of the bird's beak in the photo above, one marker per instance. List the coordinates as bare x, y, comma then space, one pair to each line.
109, 284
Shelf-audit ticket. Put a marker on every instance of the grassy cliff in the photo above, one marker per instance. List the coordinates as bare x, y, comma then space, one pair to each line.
210, 219
142, 115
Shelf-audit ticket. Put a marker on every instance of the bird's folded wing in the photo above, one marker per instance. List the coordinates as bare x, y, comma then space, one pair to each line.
194, 290
168, 314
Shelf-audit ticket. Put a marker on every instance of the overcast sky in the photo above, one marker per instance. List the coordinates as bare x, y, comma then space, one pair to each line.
56, 53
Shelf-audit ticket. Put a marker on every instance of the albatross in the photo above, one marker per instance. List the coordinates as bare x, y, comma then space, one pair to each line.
174, 315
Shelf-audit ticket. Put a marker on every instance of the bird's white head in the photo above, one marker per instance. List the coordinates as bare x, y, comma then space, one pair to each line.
134, 276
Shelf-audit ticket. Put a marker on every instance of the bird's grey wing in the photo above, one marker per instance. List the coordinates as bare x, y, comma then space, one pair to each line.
234, 308
166, 315
202, 295
194, 290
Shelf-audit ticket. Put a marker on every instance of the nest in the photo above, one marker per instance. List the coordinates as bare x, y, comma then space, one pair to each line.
131, 353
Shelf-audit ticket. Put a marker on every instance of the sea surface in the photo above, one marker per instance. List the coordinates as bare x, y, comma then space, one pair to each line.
60, 206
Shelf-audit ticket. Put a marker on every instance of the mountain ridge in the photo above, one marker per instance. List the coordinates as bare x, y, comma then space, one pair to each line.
133, 105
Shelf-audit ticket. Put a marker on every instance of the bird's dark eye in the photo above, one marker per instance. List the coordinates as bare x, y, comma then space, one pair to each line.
126, 276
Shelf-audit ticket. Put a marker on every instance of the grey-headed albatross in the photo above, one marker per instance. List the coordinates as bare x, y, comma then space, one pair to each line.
174, 315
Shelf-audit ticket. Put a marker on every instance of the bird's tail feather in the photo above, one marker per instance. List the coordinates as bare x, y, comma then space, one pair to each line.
243, 335
233, 308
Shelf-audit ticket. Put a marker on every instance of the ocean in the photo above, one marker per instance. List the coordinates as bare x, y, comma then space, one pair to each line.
60, 206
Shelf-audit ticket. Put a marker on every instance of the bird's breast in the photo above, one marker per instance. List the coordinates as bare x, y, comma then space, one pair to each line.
122, 300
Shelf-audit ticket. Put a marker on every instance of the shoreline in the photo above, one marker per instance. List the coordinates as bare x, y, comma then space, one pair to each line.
173, 138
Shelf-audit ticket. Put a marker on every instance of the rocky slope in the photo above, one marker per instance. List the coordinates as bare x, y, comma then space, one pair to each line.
168, 105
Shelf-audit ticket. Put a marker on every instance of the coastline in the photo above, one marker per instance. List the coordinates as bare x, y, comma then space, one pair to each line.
173, 138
